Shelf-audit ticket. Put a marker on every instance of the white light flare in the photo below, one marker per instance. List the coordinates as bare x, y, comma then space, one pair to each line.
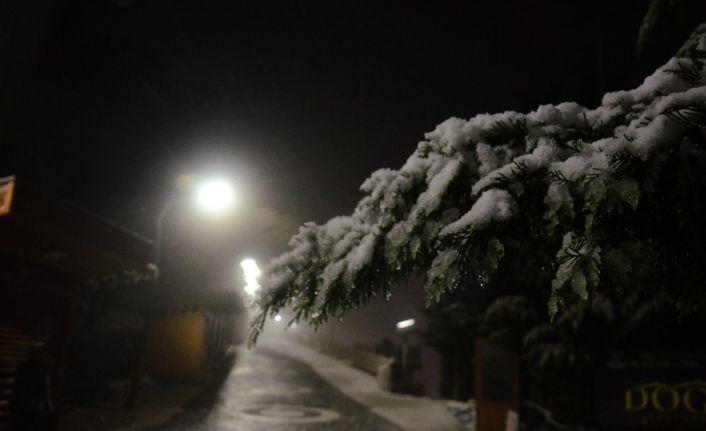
251, 272
215, 196
406, 324
278, 318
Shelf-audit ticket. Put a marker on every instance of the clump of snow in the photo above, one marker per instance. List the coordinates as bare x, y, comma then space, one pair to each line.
360, 256
487, 158
580, 165
545, 153
431, 198
494, 205
455, 133
130, 277
567, 114
661, 82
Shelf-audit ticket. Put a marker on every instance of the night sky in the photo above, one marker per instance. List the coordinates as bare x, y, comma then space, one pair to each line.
105, 102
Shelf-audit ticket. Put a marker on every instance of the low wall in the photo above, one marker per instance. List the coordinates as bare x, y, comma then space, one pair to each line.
175, 347
377, 365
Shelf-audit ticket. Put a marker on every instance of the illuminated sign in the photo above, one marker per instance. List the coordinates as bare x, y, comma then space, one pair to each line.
687, 397
653, 394
7, 189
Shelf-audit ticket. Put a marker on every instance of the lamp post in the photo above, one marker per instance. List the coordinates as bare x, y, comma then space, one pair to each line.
213, 197
404, 327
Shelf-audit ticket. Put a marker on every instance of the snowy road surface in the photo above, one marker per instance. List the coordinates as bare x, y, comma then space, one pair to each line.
267, 390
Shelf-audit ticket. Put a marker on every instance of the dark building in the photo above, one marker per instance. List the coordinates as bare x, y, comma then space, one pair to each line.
75, 286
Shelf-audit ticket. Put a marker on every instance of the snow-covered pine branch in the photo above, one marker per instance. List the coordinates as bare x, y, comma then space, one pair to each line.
558, 174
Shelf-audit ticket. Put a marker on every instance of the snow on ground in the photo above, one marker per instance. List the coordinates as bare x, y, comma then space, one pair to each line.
408, 412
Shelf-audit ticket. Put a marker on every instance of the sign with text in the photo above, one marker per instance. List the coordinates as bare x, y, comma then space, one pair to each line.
653, 394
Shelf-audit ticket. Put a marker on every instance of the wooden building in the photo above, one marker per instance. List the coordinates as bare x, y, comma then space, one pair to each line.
84, 289
73, 284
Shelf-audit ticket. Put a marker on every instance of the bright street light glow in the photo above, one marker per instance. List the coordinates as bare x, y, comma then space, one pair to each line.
278, 318
215, 196
250, 271
405, 324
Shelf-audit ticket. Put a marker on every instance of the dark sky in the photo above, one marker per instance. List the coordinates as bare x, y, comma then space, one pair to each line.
105, 102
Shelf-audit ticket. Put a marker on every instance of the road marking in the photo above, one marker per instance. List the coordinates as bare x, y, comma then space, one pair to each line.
279, 413
281, 390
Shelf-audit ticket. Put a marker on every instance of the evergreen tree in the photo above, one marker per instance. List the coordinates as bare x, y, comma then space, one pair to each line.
595, 215
570, 234
566, 201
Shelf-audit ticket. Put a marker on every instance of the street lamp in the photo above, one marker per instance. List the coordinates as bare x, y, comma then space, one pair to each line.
405, 327
404, 324
215, 196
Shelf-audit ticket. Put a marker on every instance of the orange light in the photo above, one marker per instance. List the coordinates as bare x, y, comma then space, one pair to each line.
7, 189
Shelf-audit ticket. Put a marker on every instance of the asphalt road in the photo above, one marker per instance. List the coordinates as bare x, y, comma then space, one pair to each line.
266, 390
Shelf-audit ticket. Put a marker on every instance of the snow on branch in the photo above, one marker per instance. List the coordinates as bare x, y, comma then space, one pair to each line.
471, 180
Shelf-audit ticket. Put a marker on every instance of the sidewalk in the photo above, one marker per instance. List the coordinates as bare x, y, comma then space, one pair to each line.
408, 412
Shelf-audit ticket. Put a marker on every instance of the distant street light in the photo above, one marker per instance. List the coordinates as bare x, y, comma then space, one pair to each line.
404, 324
250, 271
278, 318
405, 327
